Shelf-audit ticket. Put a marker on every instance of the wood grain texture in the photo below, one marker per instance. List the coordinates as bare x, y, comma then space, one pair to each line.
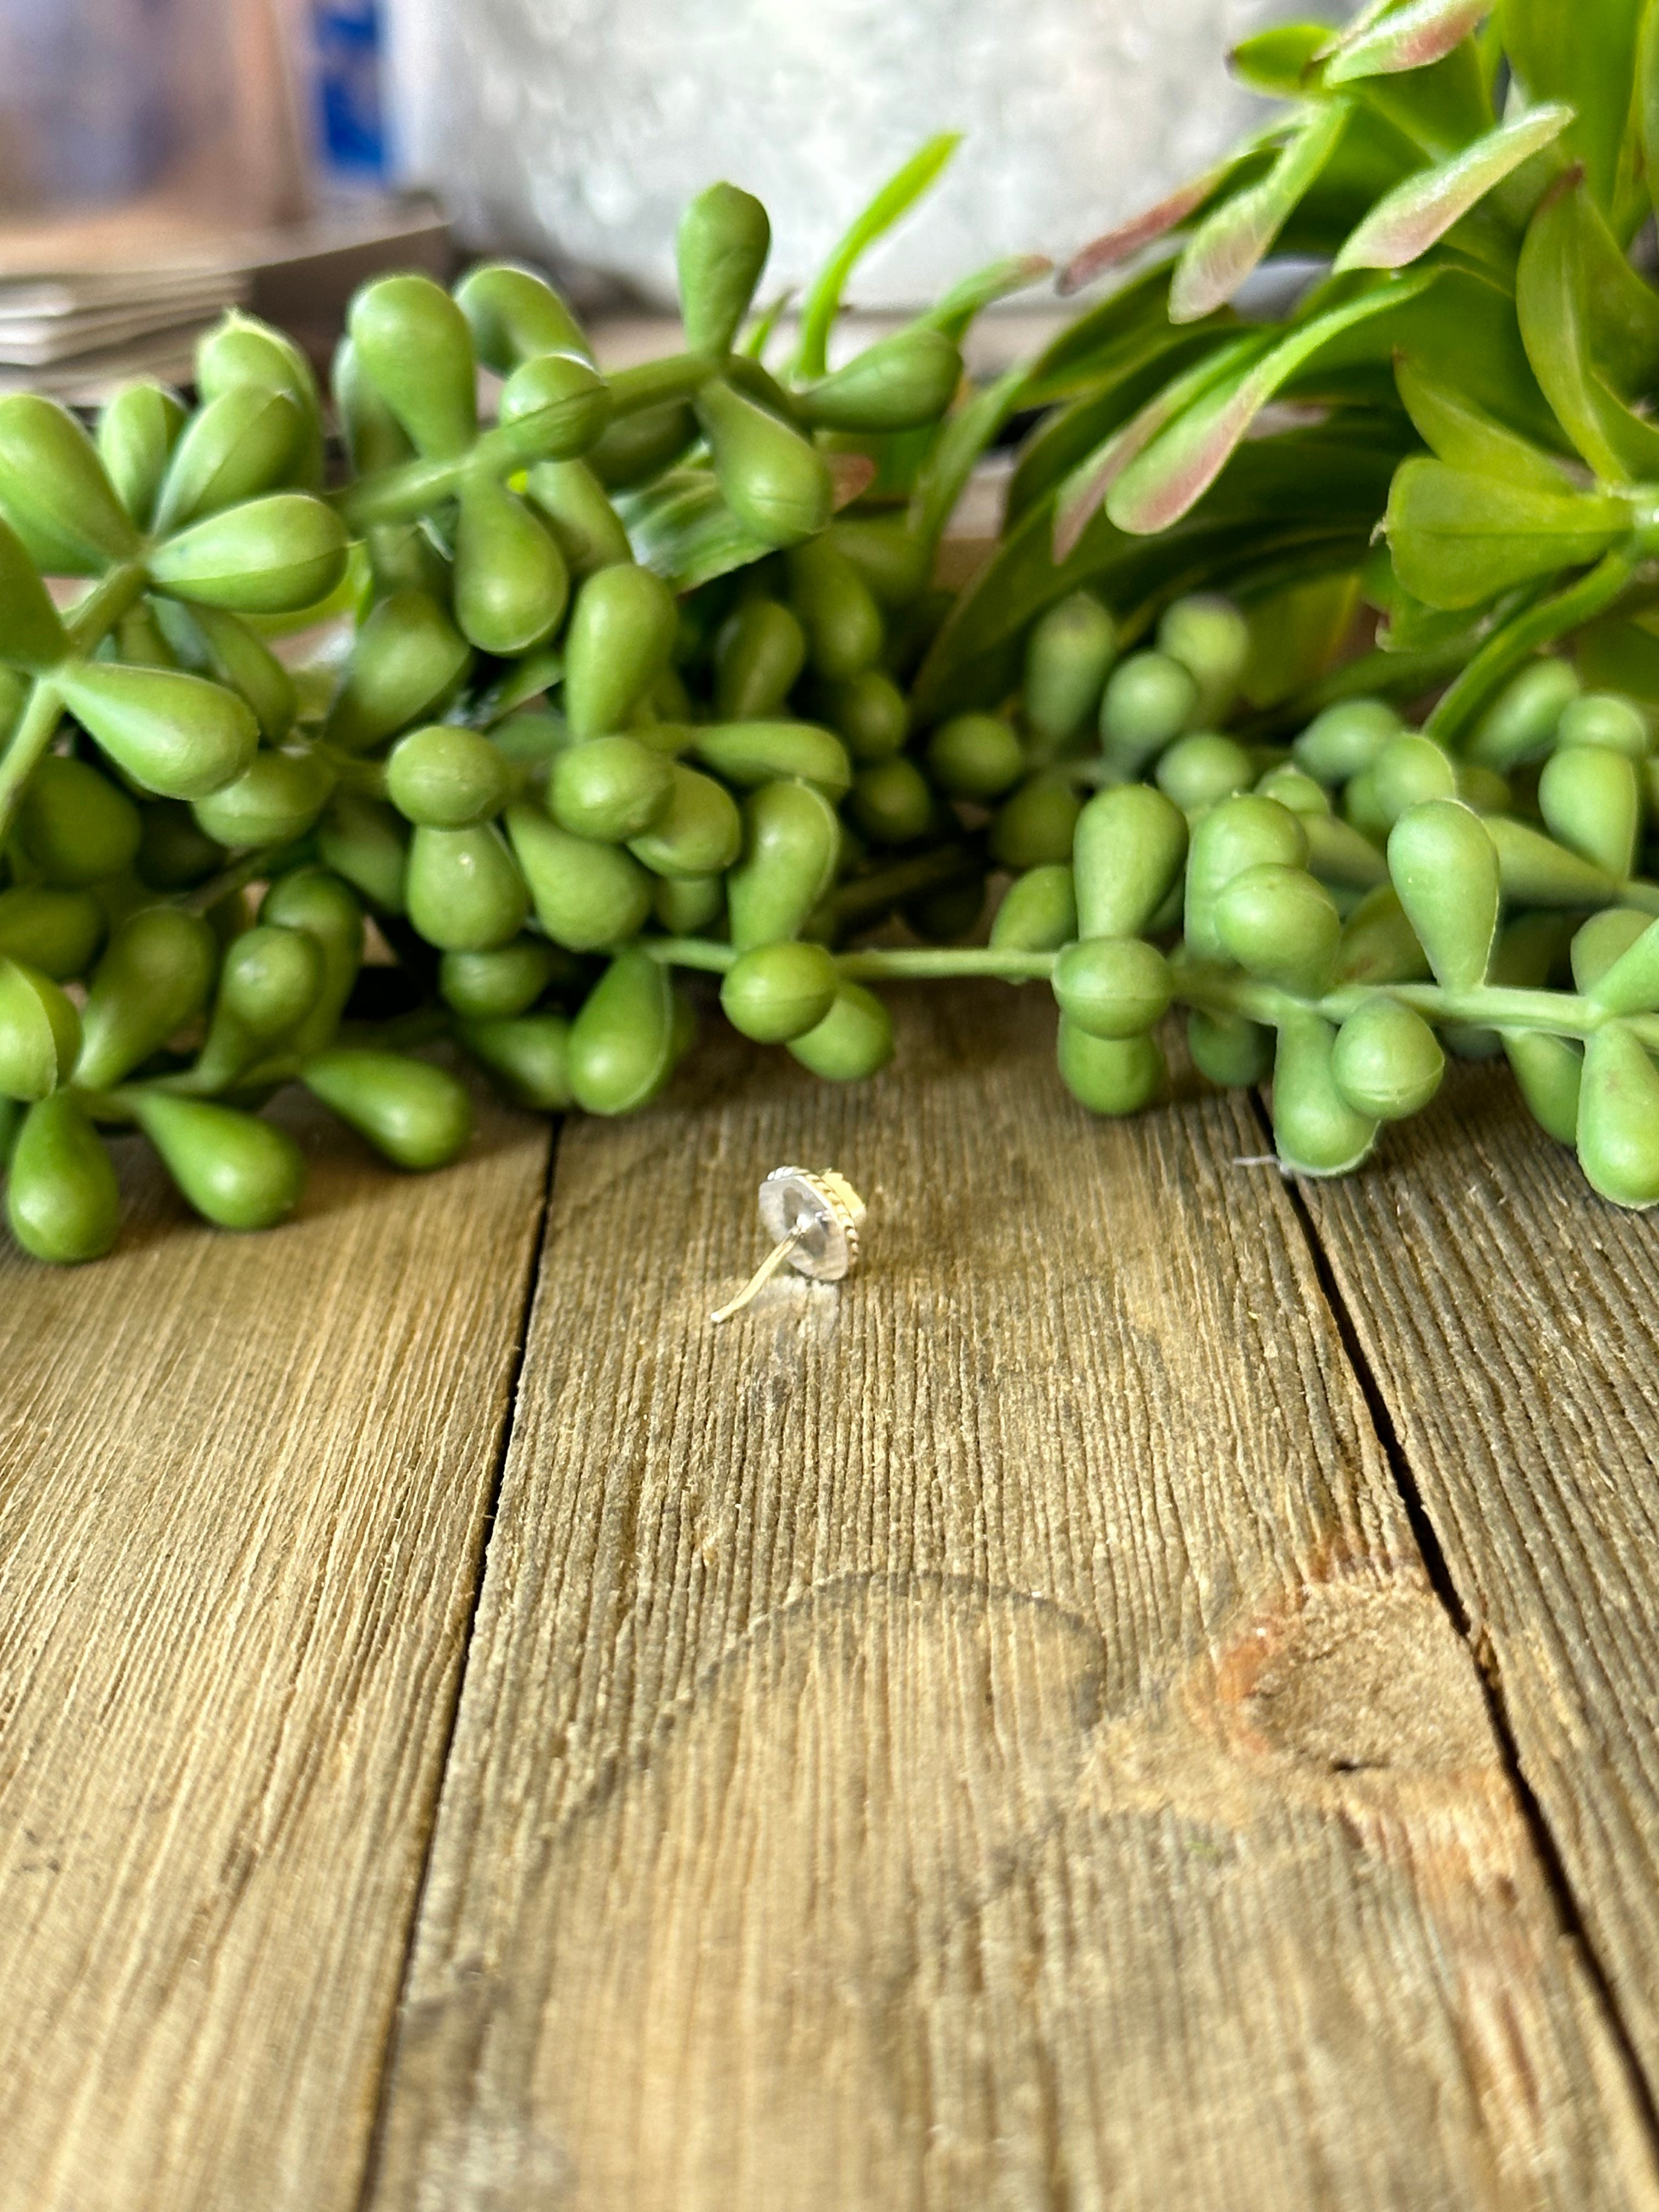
979, 1738
243, 1484
1508, 1315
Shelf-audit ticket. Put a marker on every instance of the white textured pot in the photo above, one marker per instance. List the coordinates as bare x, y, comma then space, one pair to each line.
579, 128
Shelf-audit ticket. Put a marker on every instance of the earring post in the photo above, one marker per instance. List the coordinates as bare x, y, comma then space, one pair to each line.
762, 1274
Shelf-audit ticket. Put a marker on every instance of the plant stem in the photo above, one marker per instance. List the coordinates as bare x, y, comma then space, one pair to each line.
399, 494
925, 871
1211, 989
1215, 990
350, 770
97, 614
414, 488
116, 592
236, 875
930, 961
887, 962
699, 952
30, 741
660, 383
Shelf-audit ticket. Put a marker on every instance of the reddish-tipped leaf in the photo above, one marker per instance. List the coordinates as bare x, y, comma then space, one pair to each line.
1157, 485
1080, 498
1408, 38
1407, 221
1228, 243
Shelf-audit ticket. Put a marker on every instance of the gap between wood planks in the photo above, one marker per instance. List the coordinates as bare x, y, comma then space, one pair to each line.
1441, 1579
522, 1339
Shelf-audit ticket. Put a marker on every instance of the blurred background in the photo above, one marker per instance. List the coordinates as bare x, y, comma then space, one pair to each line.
161, 158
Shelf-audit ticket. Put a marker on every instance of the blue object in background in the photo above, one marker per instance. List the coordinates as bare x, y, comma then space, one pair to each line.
350, 127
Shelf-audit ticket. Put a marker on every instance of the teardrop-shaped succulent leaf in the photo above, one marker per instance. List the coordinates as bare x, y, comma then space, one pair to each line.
31, 636
270, 555
1618, 1131
1419, 213
720, 251
54, 490
1444, 867
1170, 475
178, 736
1228, 243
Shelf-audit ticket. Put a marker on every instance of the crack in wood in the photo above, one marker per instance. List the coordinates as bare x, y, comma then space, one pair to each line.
1473, 1632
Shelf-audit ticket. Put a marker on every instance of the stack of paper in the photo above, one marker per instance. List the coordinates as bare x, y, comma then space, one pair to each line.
86, 306
69, 334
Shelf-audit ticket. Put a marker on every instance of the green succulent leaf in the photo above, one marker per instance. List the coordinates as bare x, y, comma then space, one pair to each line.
1279, 60
1620, 309
1413, 627
1585, 55
1247, 163
1254, 525
1406, 38
897, 196
1229, 243
1170, 475
1647, 102
1458, 432
1296, 633
1130, 327
945, 475
1553, 305
1439, 109
31, 634
1615, 309
1070, 435
953, 313
1462, 332
1419, 213
680, 526
1532, 621
1085, 489
1460, 538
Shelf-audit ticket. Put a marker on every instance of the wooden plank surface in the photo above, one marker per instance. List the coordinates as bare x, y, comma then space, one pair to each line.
983, 1737
1507, 1314
243, 1484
